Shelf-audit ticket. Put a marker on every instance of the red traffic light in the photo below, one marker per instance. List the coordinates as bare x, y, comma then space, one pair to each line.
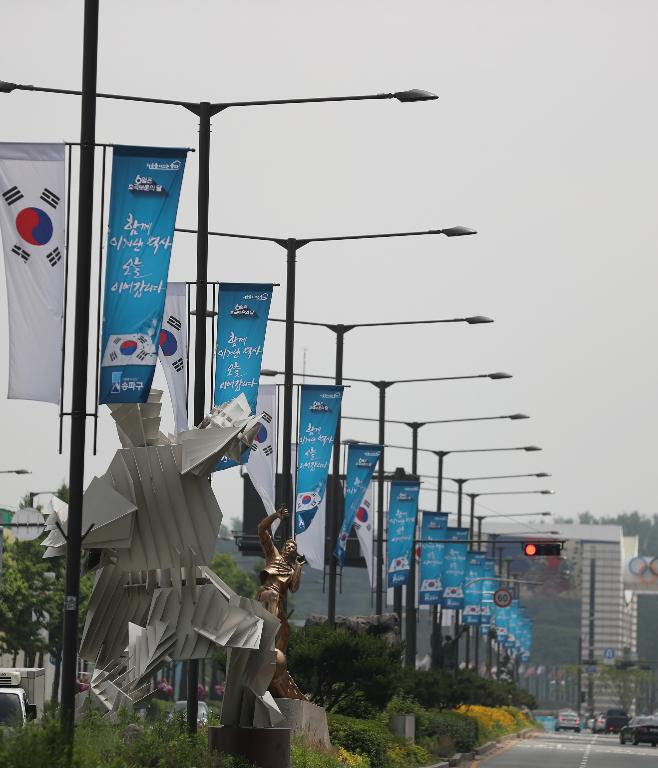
542, 548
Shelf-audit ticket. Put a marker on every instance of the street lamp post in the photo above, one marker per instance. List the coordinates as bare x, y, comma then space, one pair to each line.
205, 111
340, 329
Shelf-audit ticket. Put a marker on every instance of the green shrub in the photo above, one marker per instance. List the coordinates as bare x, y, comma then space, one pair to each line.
342, 672
373, 739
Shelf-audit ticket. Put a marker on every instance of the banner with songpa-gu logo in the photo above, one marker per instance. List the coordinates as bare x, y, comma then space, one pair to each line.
146, 186
32, 215
319, 409
433, 527
361, 463
488, 588
454, 568
401, 530
242, 317
473, 582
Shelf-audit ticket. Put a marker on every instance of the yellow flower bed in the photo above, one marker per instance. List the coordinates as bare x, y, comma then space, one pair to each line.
352, 760
491, 721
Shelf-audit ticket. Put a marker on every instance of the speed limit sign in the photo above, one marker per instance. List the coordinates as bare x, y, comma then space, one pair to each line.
502, 598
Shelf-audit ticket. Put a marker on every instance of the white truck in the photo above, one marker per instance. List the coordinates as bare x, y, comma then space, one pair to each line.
22, 693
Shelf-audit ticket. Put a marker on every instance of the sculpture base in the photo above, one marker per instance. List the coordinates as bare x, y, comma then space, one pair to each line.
264, 747
306, 719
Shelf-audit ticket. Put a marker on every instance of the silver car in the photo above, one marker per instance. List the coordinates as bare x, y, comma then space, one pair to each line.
567, 720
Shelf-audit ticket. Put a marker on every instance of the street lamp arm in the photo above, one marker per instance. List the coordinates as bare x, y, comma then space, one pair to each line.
457, 231
350, 326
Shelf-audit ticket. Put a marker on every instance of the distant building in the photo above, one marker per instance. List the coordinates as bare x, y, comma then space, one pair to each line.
608, 617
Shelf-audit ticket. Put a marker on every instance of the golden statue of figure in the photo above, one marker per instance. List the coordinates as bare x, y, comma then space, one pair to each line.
282, 573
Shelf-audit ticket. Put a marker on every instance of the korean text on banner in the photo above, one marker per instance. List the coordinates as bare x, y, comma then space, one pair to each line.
319, 409
173, 351
454, 568
242, 316
401, 530
32, 194
433, 527
361, 463
261, 466
146, 186
473, 581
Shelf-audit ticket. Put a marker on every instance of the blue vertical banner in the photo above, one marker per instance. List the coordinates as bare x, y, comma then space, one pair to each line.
242, 313
401, 529
501, 619
319, 409
454, 568
512, 613
146, 185
433, 528
361, 462
488, 588
473, 582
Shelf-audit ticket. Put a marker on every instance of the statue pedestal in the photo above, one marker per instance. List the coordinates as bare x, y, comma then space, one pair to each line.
264, 747
306, 719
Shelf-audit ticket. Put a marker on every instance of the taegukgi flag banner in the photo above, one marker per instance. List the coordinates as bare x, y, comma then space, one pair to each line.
473, 581
365, 529
146, 186
261, 466
433, 527
242, 316
32, 217
173, 351
361, 463
454, 568
401, 530
319, 409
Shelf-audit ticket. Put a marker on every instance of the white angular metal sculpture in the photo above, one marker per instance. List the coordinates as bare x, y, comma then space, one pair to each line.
150, 525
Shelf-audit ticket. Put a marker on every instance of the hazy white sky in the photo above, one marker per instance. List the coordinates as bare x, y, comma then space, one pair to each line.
543, 139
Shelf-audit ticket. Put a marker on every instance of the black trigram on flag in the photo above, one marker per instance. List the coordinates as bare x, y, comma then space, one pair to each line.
174, 322
113, 355
50, 198
254, 446
265, 416
54, 257
12, 195
177, 365
21, 252
141, 354
267, 450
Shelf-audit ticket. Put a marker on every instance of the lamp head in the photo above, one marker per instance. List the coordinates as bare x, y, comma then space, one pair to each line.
542, 474
457, 231
415, 94
499, 375
22, 472
478, 319
6, 87
268, 372
517, 416
531, 448
547, 493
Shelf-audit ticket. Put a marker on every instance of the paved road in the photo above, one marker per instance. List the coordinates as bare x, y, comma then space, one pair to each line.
569, 750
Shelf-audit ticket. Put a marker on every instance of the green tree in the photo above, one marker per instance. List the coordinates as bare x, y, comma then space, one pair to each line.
243, 582
625, 684
343, 672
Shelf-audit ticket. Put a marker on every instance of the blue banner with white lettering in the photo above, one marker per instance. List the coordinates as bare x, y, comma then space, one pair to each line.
242, 314
433, 526
146, 186
474, 579
401, 530
454, 568
319, 409
488, 588
361, 463
512, 616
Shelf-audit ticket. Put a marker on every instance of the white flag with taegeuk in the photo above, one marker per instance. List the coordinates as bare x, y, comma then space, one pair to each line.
172, 351
261, 466
32, 223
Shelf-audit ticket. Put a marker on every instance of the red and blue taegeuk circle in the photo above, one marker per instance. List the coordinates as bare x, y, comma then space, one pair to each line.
34, 226
168, 343
261, 435
307, 499
362, 515
128, 347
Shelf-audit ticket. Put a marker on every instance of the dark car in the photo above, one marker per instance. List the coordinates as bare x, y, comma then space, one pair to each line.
640, 730
615, 720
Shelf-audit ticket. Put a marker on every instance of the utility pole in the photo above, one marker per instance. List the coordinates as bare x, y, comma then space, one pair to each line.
590, 635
